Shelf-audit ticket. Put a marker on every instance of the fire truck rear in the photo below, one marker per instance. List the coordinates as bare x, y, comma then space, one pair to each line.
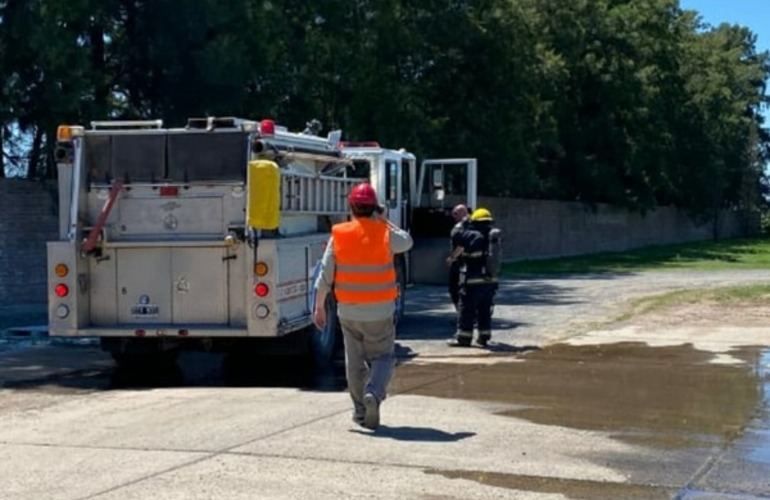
208, 235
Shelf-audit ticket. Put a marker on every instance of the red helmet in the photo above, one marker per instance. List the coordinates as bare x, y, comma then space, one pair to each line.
362, 195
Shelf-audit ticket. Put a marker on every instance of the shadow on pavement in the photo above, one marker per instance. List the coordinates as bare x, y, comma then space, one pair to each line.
430, 314
427, 434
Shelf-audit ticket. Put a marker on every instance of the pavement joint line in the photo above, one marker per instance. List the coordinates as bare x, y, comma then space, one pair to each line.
228, 450
148, 476
702, 471
214, 453
207, 454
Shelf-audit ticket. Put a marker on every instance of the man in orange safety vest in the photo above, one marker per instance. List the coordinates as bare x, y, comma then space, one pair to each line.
358, 266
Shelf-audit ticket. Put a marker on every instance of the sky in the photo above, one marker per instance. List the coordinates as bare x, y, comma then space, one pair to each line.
753, 14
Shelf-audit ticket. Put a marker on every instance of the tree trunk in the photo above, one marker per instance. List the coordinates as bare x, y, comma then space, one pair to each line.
50, 163
2, 151
33, 165
101, 85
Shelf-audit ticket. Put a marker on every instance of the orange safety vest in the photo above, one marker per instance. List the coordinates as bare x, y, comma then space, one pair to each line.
364, 272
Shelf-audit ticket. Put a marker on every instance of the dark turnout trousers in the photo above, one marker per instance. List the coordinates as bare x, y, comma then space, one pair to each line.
476, 301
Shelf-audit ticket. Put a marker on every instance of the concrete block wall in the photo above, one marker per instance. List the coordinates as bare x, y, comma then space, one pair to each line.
28, 219
534, 229
538, 229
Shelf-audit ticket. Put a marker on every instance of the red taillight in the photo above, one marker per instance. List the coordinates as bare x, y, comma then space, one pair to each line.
169, 190
267, 127
139, 333
261, 289
61, 290
184, 332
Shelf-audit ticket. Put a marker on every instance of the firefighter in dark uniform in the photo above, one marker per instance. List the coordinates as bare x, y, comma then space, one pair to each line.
460, 216
478, 249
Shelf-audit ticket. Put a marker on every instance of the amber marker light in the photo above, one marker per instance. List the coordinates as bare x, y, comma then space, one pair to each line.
61, 270
260, 269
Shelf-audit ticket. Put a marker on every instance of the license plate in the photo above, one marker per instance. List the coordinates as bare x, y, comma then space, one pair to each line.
145, 311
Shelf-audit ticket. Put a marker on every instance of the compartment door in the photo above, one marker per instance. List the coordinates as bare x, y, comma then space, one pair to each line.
144, 294
199, 285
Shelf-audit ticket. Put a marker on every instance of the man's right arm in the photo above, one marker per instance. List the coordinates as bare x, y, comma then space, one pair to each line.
325, 278
400, 240
323, 284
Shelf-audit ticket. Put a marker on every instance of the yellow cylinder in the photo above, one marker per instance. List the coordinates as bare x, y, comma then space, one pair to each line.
263, 205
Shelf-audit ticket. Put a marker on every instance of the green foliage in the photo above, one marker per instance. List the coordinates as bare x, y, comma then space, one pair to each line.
711, 256
632, 103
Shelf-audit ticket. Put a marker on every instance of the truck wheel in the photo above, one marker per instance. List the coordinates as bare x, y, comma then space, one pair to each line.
135, 353
324, 343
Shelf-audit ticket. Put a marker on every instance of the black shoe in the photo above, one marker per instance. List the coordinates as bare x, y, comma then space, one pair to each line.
358, 419
483, 340
372, 416
459, 342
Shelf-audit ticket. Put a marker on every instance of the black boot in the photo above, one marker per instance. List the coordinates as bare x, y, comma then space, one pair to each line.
460, 339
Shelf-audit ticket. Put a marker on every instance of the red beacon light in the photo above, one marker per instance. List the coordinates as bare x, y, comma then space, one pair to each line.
61, 290
359, 144
261, 289
267, 127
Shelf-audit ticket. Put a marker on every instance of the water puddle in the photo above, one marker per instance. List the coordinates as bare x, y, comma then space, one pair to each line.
570, 488
664, 398
631, 389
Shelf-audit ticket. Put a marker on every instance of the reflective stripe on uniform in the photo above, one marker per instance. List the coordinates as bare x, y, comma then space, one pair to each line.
478, 281
363, 268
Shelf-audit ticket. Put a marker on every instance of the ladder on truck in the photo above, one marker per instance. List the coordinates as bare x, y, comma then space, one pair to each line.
317, 194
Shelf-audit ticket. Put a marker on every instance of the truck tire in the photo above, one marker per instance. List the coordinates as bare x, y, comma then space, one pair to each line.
325, 344
134, 353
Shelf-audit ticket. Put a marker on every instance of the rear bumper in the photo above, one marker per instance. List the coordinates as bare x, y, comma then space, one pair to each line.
186, 331
175, 331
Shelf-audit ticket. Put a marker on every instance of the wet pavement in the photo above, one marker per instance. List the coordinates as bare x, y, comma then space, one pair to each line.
711, 421
685, 423
697, 429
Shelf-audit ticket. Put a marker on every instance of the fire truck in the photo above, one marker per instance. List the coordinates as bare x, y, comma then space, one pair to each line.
209, 235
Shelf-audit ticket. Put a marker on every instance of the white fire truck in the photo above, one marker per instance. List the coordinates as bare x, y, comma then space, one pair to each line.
209, 235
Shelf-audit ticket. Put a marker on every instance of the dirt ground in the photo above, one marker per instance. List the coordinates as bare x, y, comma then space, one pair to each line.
704, 314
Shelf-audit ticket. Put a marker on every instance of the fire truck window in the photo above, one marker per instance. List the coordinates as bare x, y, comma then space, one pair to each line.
391, 181
405, 190
361, 169
132, 158
96, 157
138, 158
207, 156
455, 180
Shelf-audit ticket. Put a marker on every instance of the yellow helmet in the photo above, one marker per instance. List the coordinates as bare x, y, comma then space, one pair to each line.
481, 214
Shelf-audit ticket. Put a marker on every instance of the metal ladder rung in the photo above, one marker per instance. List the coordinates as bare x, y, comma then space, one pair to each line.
301, 193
